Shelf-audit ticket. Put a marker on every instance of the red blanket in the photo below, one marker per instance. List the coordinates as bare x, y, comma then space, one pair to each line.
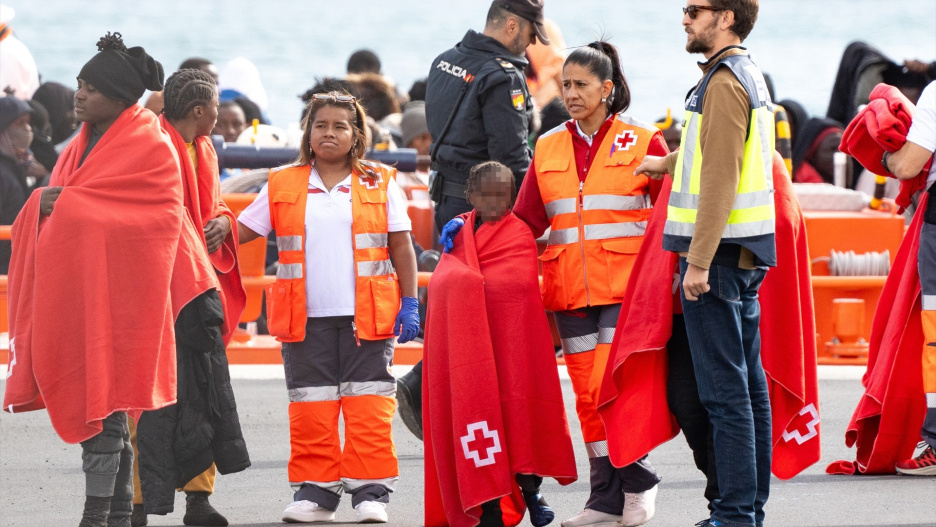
880, 127
202, 199
885, 427
493, 405
633, 394
91, 313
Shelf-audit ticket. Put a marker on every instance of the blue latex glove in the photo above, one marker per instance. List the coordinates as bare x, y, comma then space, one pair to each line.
407, 320
447, 238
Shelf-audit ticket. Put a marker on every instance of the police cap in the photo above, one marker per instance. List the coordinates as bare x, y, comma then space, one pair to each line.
531, 10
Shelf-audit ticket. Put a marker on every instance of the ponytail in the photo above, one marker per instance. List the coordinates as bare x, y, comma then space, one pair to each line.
602, 60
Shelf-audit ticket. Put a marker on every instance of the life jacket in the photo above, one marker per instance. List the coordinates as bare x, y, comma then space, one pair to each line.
751, 222
596, 226
377, 293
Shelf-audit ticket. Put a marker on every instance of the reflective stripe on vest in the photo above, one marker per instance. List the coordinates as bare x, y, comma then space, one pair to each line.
752, 213
595, 226
374, 302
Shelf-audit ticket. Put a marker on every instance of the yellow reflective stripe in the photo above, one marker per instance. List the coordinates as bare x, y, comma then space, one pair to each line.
353, 389
563, 236
604, 231
680, 215
560, 206
289, 243
289, 271
739, 216
374, 268
370, 240
614, 202
313, 394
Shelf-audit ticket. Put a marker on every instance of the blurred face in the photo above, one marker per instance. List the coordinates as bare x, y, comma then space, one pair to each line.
492, 197
701, 31
332, 134
824, 158
212, 70
231, 122
582, 91
421, 143
20, 133
526, 36
93, 107
206, 116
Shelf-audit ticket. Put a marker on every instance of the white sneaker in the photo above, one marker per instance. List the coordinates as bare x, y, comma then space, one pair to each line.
371, 512
639, 507
593, 518
306, 511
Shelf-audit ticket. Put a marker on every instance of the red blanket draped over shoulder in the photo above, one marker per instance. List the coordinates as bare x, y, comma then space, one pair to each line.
885, 427
202, 199
95, 286
493, 403
633, 394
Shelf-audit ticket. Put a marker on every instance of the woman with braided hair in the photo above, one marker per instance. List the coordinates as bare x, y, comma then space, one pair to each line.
188, 116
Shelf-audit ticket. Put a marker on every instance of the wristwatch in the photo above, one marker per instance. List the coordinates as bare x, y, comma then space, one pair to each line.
884, 162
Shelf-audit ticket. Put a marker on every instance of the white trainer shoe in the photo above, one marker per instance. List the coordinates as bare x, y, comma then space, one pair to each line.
371, 512
639, 507
593, 518
305, 511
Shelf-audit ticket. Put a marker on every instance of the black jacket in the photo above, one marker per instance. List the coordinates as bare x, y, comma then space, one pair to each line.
181, 441
492, 121
13, 194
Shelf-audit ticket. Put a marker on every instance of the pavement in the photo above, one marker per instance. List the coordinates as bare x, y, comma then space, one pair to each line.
41, 483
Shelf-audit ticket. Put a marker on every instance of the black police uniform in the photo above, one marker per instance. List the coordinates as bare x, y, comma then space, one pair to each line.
491, 122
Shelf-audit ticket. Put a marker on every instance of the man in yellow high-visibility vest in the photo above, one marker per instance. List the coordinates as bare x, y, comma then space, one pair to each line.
720, 220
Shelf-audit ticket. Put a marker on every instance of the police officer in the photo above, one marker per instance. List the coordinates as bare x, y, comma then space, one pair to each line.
477, 103
478, 109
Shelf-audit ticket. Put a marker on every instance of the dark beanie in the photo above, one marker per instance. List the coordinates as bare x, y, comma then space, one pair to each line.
120, 73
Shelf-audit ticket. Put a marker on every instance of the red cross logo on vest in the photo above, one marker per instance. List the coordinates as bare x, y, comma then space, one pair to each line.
811, 432
624, 141
371, 182
472, 445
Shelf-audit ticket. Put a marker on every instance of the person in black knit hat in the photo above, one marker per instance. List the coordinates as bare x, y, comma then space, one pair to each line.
110, 83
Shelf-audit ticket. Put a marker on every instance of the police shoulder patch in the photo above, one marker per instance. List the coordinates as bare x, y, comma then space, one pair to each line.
518, 100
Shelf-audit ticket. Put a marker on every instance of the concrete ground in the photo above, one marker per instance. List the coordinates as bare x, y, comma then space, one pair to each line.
41, 483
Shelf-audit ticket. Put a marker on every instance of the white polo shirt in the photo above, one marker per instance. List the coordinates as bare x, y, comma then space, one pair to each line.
923, 128
328, 251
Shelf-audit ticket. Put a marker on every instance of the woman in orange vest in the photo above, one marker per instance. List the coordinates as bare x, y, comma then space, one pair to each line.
581, 185
338, 220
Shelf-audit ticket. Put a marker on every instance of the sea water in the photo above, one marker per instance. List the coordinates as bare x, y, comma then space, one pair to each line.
799, 42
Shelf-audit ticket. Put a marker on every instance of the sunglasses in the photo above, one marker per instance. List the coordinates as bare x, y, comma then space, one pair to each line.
334, 97
693, 10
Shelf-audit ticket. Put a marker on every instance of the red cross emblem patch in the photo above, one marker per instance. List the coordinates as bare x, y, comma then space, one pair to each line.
623, 141
474, 444
811, 416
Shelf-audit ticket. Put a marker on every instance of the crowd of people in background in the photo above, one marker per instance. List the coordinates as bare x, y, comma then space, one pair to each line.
514, 125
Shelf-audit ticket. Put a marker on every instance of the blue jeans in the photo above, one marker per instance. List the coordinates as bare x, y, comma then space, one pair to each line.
724, 339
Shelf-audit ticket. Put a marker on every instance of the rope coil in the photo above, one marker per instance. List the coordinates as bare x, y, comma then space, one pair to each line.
847, 263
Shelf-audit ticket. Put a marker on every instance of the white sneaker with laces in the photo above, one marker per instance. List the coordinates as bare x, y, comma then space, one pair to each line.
593, 518
371, 512
639, 507
305, 511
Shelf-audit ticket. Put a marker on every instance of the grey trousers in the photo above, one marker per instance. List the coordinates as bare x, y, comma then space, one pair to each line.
107, 460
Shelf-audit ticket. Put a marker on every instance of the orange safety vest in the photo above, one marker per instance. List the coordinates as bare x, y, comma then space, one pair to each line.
596, 227
377, 292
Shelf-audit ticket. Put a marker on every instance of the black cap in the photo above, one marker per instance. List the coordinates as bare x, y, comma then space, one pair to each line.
120, 73
531, 10
11, 108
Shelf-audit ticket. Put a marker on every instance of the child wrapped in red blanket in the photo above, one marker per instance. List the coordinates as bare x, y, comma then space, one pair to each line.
494, 418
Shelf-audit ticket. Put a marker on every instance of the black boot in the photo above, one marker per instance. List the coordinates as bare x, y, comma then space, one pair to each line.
120, 514
409, 400
199, 512
138, 516
95, 512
